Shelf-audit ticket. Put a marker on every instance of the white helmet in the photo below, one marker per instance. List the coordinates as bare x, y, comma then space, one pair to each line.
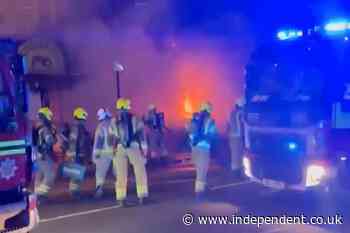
102, 114
240, 102
152, 107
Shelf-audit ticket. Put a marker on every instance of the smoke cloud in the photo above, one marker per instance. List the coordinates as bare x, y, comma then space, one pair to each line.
187, 69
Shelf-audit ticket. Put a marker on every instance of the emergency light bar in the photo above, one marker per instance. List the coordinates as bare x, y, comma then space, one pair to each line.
289, 34
337, 26
333, 27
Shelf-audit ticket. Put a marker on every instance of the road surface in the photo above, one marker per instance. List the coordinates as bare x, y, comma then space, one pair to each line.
172, 198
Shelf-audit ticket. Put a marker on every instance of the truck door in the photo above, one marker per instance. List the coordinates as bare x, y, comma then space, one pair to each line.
13, 144
6, 104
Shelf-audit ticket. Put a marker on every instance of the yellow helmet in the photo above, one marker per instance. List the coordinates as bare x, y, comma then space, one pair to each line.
206, 106
123, 103
46, 112
80, 114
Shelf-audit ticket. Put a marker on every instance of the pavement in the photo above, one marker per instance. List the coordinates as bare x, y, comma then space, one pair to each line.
174, 209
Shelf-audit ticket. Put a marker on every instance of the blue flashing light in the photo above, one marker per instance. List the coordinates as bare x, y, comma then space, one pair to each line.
337, 26
289, 34
292, 146
282, 35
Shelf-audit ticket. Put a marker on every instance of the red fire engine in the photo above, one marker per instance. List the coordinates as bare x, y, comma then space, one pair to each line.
18, 212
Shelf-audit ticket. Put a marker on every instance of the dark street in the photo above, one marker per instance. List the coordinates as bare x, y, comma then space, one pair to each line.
173, 198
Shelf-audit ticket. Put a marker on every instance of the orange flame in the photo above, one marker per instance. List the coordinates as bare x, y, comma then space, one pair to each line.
188, 108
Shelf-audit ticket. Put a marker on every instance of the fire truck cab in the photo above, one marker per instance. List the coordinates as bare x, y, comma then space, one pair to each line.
18, 211
297, 112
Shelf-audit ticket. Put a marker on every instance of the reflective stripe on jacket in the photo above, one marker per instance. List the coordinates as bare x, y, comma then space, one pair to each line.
78, 142
120, 132
209, 132
235, 124
46, 140
103, 144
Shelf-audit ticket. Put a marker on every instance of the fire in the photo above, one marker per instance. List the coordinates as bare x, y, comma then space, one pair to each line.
188, 108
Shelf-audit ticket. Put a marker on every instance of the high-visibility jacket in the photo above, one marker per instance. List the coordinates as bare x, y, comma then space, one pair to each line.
129, 132
202, 135
236, 123
103, 144
46, 139
155, 121
79, 142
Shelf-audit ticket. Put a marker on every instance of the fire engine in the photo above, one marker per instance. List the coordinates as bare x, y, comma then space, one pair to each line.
297, 112
18, 210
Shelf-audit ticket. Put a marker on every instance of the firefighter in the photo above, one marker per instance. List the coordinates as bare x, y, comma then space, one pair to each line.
201, 131
129, 145
103, 149
154, 121
79, 146
44, 141
347, 91
236, 138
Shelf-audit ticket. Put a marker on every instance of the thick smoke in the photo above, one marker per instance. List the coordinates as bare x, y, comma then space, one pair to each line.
190, 67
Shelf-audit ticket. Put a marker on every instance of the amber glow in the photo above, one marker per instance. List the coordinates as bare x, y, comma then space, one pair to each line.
203, 77
188, 108
177, 83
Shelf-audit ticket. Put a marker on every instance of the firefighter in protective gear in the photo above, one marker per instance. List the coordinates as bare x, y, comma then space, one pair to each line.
79, 146
46, 112
347, 91
44, 141
201, 131
102, 154
129, 145
154, 121
235, 129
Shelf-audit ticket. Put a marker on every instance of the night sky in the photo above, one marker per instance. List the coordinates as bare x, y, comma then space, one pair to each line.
264, 17
261, 18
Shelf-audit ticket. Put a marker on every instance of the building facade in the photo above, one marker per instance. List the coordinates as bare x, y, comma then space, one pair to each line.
22, 18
